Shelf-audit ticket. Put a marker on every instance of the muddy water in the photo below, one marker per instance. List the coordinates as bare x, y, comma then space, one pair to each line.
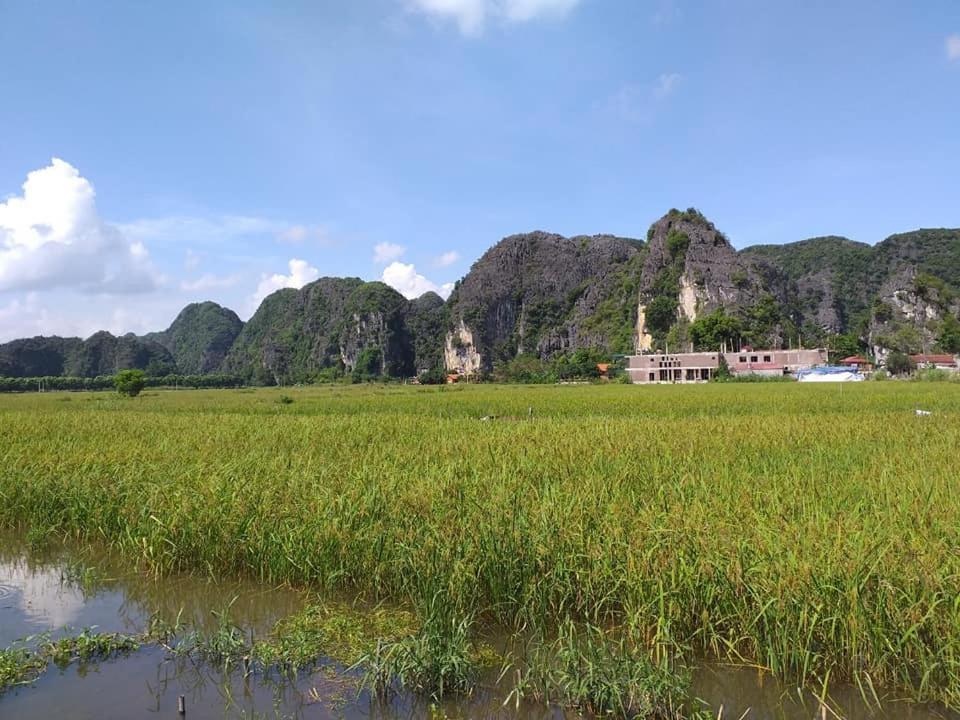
56, 588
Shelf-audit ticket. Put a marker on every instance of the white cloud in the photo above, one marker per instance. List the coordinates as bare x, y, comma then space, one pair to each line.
524, 10
472, 15
192, 260
667, 12
301, 273
53, 237
446, 259
297, 234
200, 230
953, 47
58, 313
404, 278
209, 281
639, 102
666, 84
386, 252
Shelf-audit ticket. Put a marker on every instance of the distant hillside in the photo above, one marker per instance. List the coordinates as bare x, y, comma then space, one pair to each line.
331, 325
542, 295
100, 354
896, 295
200, 337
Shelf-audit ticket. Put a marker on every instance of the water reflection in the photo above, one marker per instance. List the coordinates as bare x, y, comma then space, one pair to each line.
39, 591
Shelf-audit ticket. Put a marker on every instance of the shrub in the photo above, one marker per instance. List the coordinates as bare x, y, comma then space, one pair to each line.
129, 382
434, 376
899, 364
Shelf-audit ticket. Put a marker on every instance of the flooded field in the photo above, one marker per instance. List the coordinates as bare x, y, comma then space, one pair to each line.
61, 591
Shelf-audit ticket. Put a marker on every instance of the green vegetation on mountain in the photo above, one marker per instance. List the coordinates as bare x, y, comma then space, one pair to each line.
426, 320
200, 337
544, 296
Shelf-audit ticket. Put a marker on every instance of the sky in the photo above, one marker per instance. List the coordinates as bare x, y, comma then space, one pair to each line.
156, 154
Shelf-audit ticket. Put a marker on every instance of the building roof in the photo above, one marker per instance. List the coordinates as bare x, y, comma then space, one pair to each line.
855, 360
756, 366
935, 359
603, 367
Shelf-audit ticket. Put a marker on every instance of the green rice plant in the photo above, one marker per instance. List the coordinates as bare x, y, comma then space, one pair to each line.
87, 646
435, 661
813, 531
19, 666
226, 646
345, 633
586, 668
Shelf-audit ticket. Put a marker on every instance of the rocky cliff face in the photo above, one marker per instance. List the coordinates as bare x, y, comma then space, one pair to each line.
200, 337
691, 269
894, 295
545, 295
539, 293
829, 279
296, 334
426, 319
374, 319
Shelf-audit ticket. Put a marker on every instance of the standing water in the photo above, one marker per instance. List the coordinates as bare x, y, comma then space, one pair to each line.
60, 591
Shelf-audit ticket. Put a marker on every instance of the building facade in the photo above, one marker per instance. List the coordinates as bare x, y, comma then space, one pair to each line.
702, 366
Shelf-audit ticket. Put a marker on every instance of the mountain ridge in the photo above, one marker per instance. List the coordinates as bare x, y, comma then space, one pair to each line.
545, 295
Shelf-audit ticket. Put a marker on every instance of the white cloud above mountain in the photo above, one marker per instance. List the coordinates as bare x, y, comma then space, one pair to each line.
446, 259
52, 236
301, 273
387, 252
472, 16
404, 278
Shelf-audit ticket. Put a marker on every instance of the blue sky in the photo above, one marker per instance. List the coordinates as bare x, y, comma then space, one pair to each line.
219, 150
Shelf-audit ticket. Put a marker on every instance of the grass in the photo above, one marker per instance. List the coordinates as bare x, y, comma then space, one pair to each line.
22, 664
811, 530
602, 674
19, 666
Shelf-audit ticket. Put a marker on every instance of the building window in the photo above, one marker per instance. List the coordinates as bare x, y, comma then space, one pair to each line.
652, 377
753, 358
766, 358
743, 358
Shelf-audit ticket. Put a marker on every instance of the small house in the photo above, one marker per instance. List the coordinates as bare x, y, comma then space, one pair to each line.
940, 362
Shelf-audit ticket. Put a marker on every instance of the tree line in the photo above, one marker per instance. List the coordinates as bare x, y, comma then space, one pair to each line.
107, 382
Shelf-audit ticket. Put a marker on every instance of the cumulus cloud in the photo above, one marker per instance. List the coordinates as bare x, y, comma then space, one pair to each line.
446, 259
404, 278
386, 252
953, 47
53, 237
58, 313
301, 273
472, 15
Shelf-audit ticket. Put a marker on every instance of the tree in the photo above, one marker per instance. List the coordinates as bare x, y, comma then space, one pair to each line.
949, 338
677, 244
709, 332
843, 345
899, 364
129, 382
433, 376
368, 367
661, 313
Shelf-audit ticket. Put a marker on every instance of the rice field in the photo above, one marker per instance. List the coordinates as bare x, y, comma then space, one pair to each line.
813, 531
